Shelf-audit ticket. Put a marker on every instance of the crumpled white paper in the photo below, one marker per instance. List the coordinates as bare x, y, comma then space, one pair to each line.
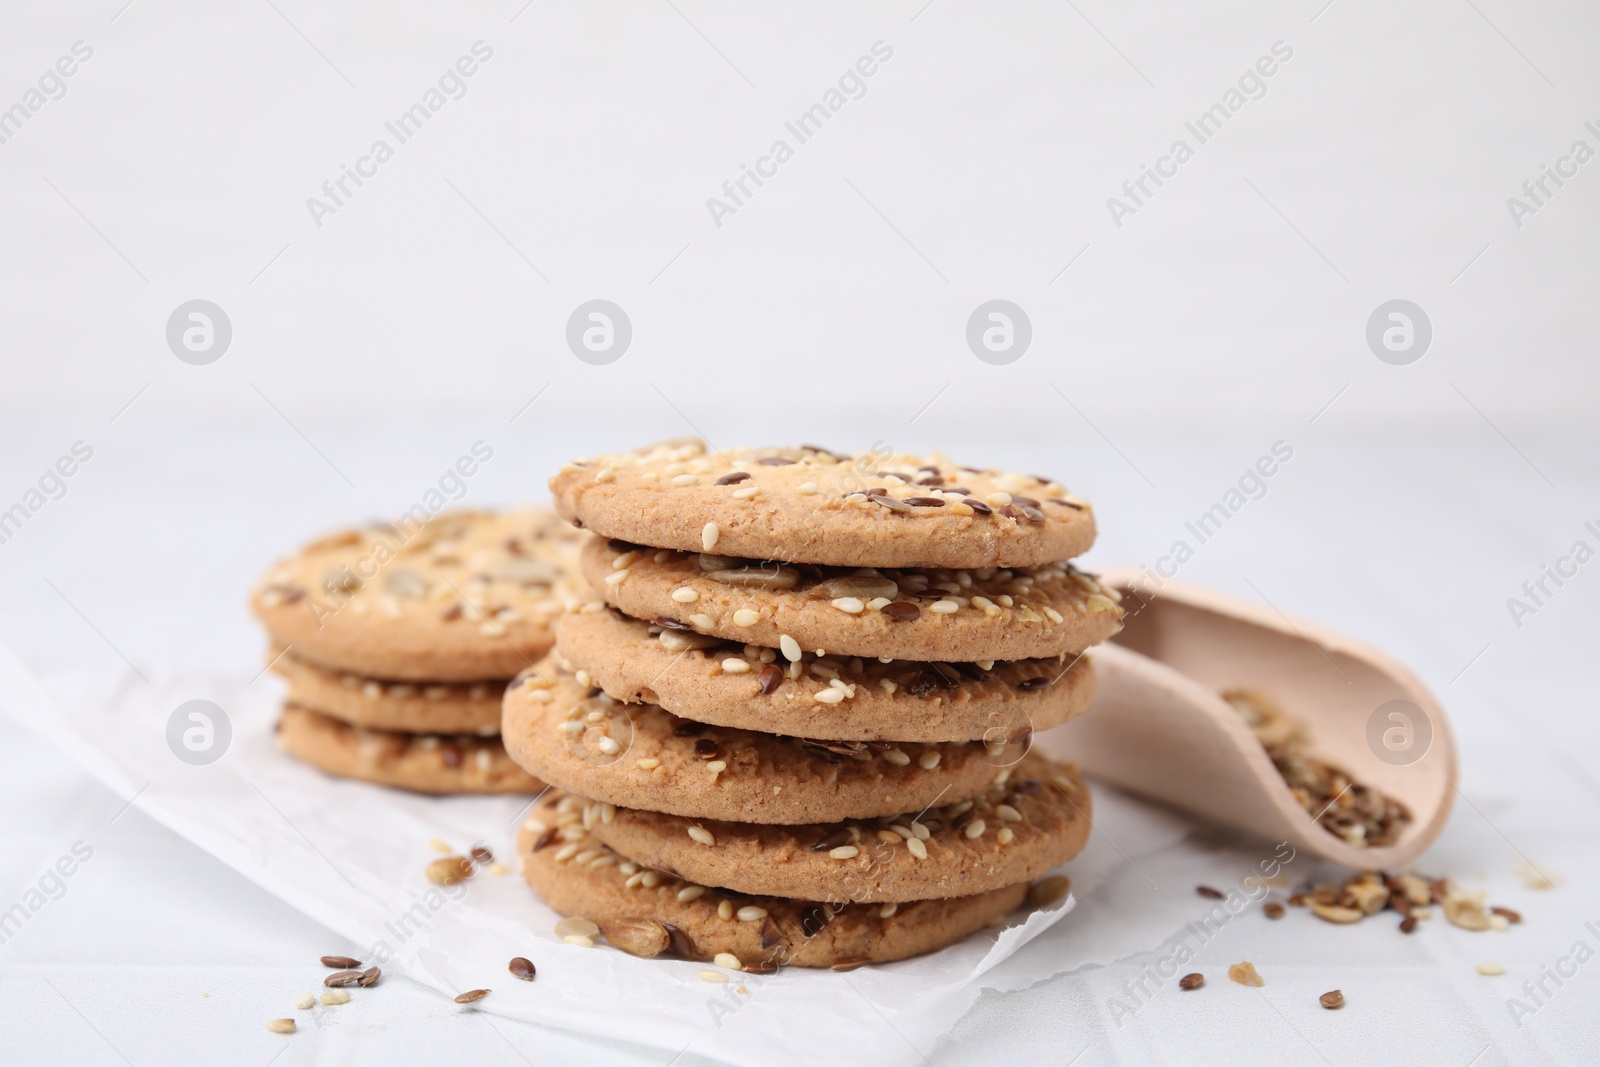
352, 855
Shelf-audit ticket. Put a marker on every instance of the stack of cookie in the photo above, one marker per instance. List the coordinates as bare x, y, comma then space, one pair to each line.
397, 641
795, 728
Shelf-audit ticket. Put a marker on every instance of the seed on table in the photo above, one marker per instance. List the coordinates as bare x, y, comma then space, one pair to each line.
471, 995
342, 978
1192, 981
522, 967
281, 1026
449, 871
1272, 909
1209, 893
369, 977
335, 996
1332, 1000
343, 963
1408, 924
1490, 969
713, 976
305, 1001
728, 960
1507, 914
1246, 974
481, 854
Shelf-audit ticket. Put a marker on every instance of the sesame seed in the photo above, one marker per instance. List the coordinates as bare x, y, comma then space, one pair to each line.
938, 607
975, 829
850, 604
735, 665
902, 832
1097, 604
649, 763
1008, 813
807, 488
915, 846
747, 493
920, 831
929, 760
998, 500
844, 852
717, 766
889, 836
305, 1002
572, 925
651, 879
567, 851
713, 976
746, 617
541, 696
703, 621
709, 535
281, 1026
690, 892
1005, 836
685, 479
1491, 970
702, 835
829, 696
896, 757
725, 910
888, 685
1004, 601
728, 960
750, 913
685, 595
616, 578
888, 910
790, 648
1052, 614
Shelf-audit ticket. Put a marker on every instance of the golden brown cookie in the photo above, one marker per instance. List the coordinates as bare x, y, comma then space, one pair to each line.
650, 914
637, 756
951, 616
1034, 817
422, 763
463, 596
414, 707
840, 697
808, 504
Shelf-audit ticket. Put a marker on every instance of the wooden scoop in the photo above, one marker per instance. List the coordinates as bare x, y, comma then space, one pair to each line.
1160, 728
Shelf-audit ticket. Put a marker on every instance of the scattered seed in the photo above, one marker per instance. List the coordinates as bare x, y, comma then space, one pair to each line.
1209, 893
449, 871
522, 967
1332, 1000
471, 996
281, 1026
335, 996
728, 960
572, 926
481, 854
1507, 914
342, 978
342, 963
638, 937
1192, 981
713, 976
369, 977
1335, 913
1245, 974
1490, 970
1272, 909
305, 1001
1408, 924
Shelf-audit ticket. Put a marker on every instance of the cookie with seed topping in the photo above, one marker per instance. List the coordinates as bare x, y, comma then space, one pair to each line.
460, 596
650, 914
382, 704
839, 697
921, 614
1014, 831
578, 738
813, 505
421, 763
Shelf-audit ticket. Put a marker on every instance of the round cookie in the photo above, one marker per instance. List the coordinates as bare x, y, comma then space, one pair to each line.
876, 509
638, 756
422, 763
414, 707
649, 914
727, 684
462, 596
1004, 614
1035, 818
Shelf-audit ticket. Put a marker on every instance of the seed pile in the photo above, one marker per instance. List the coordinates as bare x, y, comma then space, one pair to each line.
1358, 813
759, 622
1411, 896
396, 641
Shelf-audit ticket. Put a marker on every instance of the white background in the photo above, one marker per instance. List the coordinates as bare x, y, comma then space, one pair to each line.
1226, 314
